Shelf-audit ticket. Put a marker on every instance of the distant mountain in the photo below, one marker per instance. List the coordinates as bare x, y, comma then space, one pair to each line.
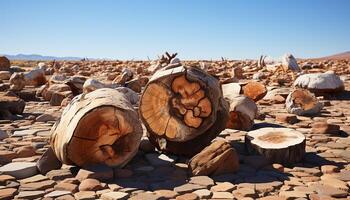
339, 56
38, 57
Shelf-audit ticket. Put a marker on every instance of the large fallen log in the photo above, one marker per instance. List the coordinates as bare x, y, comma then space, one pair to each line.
99, 127
278, 145
183, 109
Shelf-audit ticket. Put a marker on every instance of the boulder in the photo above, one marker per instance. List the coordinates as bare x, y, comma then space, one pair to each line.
5, 75
217, 158
320, 83
289, 62
4, 63
303, 102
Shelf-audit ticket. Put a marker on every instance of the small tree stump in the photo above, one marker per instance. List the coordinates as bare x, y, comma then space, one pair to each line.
99, 127
278, 145
183, 109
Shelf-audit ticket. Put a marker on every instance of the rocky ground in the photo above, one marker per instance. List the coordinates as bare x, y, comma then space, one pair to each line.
324, 173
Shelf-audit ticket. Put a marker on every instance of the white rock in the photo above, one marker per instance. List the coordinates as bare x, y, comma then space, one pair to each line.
92, 85
295, 108
258, 76
320, 82
20, 170
159, 159
130, 94
289, 62
25, 132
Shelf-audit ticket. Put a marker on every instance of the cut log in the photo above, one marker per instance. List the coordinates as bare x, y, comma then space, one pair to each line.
242, 112
99, 127
278, 145
183, 109
303, 102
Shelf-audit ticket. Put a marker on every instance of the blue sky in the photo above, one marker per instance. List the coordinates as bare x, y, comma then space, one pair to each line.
196, 29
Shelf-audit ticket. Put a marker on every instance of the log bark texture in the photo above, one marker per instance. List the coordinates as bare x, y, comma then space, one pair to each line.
278, 145
99, 127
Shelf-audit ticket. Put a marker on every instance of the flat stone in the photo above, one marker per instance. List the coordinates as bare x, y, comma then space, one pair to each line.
66, 187
35, 178
65, 197
25, 151
30, 194
329, 191
26, 132
100, 172
168, 194
244, 192
329, 169
202, 180
55, 194
59, 174
332, 182
223, 187
222, 195
85, 195
90, 185
7, 193
146, 195
293, 194
4, 178
188, 187
20, 170
187, 196
114, 196
203, 193
42, 185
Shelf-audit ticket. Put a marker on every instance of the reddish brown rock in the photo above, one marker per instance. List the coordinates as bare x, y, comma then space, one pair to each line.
218, 158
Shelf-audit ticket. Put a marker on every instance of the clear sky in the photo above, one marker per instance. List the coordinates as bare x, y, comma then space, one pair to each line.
196, 29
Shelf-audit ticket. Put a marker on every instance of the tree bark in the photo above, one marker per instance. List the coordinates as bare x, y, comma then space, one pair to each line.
278, 145
99, 127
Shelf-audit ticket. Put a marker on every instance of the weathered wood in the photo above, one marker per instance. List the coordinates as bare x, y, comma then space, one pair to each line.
278, 145
179, 107
99, 127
